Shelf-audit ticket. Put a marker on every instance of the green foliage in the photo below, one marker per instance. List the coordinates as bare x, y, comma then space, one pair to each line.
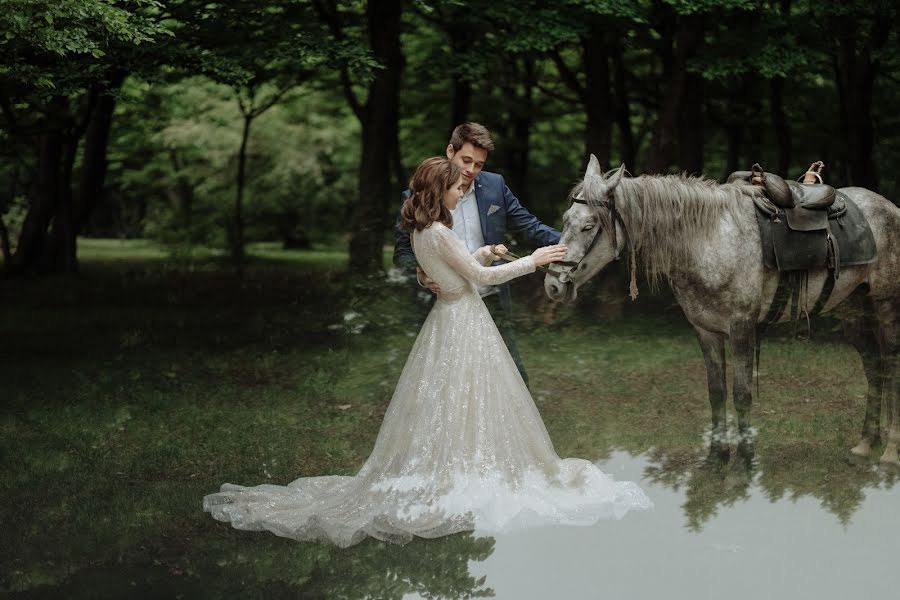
40, 37
177, 160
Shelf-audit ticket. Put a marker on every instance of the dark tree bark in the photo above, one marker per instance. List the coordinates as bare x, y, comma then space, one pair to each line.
182, 195
44, 194
681, 35
460, 39
628, 147
379, 118
692, 127
856, 69
781, 126
598, 98
96, 144
60, 253
4, 243
236, 224
74, 211
462, 103
594, 93
735, 133
522, 76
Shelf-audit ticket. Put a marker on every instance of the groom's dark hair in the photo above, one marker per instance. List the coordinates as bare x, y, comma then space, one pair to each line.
473, 133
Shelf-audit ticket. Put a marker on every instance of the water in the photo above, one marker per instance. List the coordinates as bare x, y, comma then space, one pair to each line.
755, 547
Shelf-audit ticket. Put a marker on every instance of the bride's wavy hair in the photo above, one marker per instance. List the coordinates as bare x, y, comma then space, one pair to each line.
425, 203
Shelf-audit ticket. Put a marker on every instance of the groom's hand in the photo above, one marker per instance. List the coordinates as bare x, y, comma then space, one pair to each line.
426, 281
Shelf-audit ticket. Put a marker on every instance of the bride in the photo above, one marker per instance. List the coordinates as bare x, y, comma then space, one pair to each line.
462, 445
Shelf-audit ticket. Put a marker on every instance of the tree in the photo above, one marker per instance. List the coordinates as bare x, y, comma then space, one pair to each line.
61, 61
378, 115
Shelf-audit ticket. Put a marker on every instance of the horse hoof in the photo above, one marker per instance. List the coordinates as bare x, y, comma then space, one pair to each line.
718, 456
890, 457
862, 449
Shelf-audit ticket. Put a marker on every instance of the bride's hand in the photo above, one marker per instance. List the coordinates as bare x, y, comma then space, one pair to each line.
549, 254
497, 250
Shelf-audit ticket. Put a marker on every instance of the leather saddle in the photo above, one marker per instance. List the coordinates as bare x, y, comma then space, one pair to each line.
807, 206
808, 226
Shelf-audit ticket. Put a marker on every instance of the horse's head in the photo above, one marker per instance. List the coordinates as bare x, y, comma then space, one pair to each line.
592, 230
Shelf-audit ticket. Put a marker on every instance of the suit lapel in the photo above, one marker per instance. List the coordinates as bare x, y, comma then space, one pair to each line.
484, 204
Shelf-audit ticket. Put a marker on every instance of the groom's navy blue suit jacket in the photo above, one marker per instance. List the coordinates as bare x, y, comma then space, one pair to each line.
499, 211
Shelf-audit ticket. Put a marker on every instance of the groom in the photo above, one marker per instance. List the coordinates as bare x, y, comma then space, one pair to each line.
484, 213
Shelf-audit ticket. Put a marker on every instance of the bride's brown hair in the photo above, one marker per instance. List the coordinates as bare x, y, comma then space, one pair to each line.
425, 203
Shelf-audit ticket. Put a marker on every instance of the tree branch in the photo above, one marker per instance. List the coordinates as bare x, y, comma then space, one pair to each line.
568, 76
328, 13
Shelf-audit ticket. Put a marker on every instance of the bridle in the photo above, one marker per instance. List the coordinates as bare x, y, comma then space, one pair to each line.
610, 204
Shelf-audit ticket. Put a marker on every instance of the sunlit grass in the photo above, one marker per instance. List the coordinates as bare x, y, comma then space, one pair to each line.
331, 256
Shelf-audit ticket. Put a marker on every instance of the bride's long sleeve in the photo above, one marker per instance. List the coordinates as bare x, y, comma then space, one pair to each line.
462, 262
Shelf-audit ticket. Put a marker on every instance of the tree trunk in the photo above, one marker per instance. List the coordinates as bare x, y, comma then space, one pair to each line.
43, 198
735, 134
779, 117
781, 126
60, 253
379, 121
236, 224
691, 126
73, 212
461, 37
856, 69
96, 144
627, 145
677, 49
4, 243
462, 103
183, 195
521, 115
597, 98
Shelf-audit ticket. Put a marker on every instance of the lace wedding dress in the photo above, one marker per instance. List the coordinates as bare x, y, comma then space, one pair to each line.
462, 445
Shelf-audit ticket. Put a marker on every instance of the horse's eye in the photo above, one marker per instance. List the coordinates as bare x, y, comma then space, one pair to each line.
587, 227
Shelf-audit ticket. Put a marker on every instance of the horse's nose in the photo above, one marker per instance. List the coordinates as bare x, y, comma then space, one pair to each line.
554, 289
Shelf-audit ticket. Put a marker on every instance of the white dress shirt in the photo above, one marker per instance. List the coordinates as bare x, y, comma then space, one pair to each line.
467, 226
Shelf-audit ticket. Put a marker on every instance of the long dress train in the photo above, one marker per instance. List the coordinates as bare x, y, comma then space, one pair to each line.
462, 445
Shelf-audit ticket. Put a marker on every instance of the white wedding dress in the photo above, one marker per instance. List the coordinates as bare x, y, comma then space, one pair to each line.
462, 445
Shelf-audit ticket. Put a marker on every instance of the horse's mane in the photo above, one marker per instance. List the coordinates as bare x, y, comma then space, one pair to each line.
667, 216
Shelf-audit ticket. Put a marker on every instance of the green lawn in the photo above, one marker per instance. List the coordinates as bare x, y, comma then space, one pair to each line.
146, 383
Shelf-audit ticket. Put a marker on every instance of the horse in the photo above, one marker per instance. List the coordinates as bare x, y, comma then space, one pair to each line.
703, 239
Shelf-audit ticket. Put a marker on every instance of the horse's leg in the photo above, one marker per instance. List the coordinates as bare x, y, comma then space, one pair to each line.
859, 329
743, 344
713, 347
888, 313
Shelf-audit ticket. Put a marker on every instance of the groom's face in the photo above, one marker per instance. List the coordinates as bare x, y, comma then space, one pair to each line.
468, 158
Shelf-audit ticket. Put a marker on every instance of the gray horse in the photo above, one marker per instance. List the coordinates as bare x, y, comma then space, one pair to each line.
703, 239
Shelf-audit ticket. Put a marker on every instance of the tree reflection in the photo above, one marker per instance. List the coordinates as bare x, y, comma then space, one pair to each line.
791, 471
238, 564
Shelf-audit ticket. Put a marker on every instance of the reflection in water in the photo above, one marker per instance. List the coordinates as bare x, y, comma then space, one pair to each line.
258, 567
436, 568
835, 480
754, 542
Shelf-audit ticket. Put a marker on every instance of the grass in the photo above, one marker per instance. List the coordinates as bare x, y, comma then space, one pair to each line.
136, 389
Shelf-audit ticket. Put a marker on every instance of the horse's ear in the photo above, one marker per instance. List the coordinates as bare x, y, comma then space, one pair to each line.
614, 179
593, 167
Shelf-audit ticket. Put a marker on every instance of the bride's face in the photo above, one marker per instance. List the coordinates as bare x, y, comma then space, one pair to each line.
452, 196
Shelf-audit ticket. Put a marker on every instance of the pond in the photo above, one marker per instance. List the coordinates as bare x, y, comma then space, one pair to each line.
734, 537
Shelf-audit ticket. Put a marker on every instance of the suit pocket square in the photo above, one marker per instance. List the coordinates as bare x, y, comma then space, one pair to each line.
494, 208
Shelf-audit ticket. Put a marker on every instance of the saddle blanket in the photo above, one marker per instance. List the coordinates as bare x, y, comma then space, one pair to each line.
785, 249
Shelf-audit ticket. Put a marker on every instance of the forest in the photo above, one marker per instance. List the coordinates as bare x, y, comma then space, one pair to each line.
216, 124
